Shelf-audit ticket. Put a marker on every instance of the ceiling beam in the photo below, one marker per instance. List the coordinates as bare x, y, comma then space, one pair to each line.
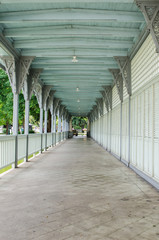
63, 1
67, 61
70, 42
72, 14
75, 67
73, 30
70, 52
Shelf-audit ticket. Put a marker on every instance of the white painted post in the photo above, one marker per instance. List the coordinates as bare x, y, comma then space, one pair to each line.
55, 127
52, 127
26, 116
15, 124
129, 131
15, 113
26, 126
121, 131
41, 127
41, 120
59, 123
45, 129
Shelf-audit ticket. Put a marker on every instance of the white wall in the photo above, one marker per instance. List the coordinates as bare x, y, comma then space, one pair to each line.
144, 120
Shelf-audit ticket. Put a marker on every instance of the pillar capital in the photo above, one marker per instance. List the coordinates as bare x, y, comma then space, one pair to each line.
99, 102
42, 94
17, 70
30, 82
125, 70
107, 96
118, 81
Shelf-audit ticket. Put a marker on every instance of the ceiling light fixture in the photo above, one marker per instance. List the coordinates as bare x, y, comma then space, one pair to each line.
74, 59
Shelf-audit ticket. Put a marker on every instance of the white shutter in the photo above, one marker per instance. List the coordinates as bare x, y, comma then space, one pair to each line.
156, 130
145, 65
115, 137
115, 97
125, 122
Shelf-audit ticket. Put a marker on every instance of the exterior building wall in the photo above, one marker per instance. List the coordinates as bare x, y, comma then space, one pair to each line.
144, 117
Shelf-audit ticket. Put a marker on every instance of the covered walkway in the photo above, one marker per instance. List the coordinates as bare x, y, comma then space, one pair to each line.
77, 190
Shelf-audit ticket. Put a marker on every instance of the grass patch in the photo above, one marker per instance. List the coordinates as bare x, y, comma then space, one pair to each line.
5, 169
20, 161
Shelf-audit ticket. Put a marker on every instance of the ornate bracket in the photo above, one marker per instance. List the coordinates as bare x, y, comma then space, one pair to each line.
108, 97
45, 94
118, 81
55, 104
99, 102
105, 100
42, 93
61, 110
30, 82
125, 69
17, 71
150, 10
50, 101
95, 111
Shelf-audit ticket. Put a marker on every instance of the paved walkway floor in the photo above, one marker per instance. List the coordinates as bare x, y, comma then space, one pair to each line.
77, 191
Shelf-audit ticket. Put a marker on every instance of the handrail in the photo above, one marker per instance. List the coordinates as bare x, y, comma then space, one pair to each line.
26, 146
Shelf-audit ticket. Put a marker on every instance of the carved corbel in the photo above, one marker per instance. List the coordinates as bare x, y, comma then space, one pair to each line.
17, 70
118, 81
150, 10
125, 69
30, 81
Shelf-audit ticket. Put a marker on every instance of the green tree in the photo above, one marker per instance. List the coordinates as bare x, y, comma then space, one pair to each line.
6, 100
34, 110
79, 122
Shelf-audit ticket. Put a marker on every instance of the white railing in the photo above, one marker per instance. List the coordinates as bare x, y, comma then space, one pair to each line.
34, 143
13, 149
49, 140
7, 151
22, 141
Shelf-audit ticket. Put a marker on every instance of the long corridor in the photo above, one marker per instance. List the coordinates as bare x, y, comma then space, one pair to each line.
77, 190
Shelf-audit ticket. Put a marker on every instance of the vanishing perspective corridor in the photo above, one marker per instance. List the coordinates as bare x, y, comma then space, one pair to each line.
77, 190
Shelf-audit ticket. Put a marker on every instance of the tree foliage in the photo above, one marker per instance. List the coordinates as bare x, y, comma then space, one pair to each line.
79, 122
6, 103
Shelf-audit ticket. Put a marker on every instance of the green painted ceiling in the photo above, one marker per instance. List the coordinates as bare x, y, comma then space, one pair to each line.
54, 31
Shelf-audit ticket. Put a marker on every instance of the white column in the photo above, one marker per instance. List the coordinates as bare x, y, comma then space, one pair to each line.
45, 124
27, 127
52, 123
63, 124
59, 123
26, 116
41, 120
15, 113
15, 124
121, 131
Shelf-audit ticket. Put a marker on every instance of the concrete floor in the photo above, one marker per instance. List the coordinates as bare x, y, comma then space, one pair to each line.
77, 191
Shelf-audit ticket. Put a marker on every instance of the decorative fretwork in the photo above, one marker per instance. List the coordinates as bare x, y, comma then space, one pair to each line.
95, 111
50, 101
99, 102
105, 100
45, 94
61, 110
118, 81
125, 69
150, 11
17, 71
30, 82
55, 104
